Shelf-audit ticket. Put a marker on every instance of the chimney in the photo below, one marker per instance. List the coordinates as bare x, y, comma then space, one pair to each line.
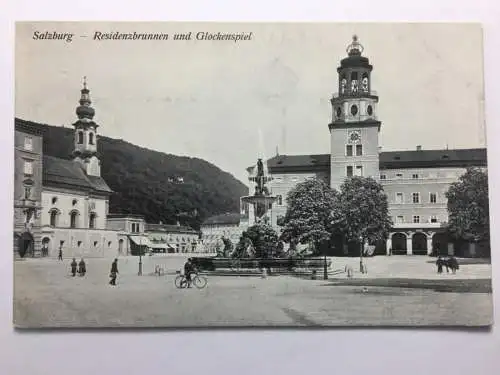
419, 148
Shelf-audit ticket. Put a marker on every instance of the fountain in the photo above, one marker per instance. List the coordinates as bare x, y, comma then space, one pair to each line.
261, 201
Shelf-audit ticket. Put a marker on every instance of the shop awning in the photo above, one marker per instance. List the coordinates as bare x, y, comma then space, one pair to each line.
159, 245
140, 240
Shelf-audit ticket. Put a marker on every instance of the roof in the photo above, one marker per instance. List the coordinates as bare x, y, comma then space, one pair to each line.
459, 158
124, 216
27, 127
169, 228
227, 218
388, 160
70, 173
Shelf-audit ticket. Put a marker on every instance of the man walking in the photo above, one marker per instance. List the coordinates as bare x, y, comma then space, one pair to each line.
73, 267
113, 272
60, 254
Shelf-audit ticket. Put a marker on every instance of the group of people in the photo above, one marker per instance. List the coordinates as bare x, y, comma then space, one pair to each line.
82, 268
449, 263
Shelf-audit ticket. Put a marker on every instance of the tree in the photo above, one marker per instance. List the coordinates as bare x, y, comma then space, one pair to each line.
468, 206
309, 207
264, 239
364, 211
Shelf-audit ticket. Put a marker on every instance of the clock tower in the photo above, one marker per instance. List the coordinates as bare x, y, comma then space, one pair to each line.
354, 129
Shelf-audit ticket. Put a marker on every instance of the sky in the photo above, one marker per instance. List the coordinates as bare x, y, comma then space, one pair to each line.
231, 102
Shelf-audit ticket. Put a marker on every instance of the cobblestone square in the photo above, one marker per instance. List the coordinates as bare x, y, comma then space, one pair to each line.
47, 296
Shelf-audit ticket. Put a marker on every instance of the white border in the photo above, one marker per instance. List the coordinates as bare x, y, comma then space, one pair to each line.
246, 352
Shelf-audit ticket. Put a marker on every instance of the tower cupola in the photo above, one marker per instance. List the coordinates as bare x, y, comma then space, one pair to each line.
85, 150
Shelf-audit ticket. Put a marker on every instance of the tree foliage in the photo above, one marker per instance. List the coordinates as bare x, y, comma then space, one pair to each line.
264, 239
468, 206
162, 187
309, 207
363, 210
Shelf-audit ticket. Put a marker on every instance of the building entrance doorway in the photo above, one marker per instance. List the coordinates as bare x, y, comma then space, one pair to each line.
26, 244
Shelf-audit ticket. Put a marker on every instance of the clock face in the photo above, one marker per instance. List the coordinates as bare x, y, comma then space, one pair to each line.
354, 136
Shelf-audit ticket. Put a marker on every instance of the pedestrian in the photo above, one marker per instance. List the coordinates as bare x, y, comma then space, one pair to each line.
82, 268
114, 272
73, 267
60, 254
439, 264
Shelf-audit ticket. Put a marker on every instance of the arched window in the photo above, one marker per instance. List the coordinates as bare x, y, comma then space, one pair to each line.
73, 219
91, 138
364, 82
92, 220
80, 137
53, 218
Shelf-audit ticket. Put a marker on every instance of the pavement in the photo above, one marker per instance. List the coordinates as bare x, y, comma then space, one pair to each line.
45, 295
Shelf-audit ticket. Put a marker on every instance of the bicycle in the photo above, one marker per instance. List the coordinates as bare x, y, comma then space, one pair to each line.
198, 281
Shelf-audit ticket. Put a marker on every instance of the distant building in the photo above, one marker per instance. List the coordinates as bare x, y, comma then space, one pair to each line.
228, 225
130, 233
28, 153
415, 181
166, 238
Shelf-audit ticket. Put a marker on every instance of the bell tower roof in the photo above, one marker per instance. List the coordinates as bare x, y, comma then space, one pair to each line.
84, 111
354, 58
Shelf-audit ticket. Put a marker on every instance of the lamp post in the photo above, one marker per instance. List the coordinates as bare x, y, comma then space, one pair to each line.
140, 257
325, 268
361, 268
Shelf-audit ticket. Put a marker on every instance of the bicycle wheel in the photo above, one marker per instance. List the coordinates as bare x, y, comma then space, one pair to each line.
180, 282
200, 281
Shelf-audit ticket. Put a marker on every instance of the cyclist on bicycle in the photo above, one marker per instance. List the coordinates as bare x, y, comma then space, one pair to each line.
188, 270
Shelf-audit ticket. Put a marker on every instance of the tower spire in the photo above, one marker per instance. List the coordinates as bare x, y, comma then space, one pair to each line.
85, 111
355, 48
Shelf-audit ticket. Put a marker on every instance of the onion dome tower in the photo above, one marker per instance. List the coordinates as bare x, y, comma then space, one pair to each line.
85, 150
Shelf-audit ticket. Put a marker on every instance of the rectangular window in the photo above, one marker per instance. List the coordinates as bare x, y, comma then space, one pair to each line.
416, 219
400, 219
349, 171
28, 143
414, 176
348, 150
28, 167
399, 198
416, 197
399, 175
383, 176
359, 170
433, 197
434, 219
359, 150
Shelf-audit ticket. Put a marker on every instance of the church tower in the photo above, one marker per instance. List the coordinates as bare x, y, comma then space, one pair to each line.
85, 135
354, 129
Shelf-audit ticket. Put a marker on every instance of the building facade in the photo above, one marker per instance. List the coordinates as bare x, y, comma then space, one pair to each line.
166, 238
28, 153
75, 198
415, 181
229, 225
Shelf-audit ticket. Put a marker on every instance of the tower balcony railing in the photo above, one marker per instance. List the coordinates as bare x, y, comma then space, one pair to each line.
358, 93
